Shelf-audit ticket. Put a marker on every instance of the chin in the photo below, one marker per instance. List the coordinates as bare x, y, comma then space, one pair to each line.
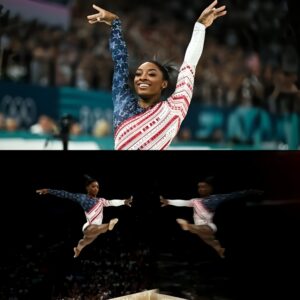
144, 96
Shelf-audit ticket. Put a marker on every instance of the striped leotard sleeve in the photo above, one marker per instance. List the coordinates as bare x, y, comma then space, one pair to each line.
182, 95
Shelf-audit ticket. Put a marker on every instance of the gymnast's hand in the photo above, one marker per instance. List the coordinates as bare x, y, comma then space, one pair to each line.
163, 201
102, 16
211, 13
128, 201
42, 191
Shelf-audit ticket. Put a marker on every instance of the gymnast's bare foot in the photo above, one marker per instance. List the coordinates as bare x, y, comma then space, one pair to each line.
183, 223
76, 251
221, 252
112, 223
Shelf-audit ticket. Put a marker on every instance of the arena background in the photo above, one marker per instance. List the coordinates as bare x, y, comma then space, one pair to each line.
55, 67
147, 249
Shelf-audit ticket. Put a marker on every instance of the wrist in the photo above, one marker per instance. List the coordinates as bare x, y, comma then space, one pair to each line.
112, 19
202, 23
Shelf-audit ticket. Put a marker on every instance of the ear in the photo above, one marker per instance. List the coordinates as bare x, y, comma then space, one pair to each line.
164, 84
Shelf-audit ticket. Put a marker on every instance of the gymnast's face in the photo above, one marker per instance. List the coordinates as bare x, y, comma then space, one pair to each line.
93, 188
204, 189
149, 81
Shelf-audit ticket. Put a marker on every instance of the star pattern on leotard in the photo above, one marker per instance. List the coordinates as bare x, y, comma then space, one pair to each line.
124, 100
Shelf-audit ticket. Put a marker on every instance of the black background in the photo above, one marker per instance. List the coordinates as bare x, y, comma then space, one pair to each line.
261, 240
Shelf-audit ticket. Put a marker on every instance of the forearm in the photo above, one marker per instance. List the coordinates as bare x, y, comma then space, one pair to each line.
115, 202
120, 88
61, 194
195, 47
183, 93
179, 202
67, 195
213, 201
117, 44
182, 96
244, 193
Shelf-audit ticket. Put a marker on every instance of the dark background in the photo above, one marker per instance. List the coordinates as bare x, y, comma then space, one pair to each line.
260, 234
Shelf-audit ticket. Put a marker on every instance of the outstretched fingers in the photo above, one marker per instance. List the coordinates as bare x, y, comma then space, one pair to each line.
103, 16
220, 11
212, 5
163, 201
130, 201
42, 191
97, 7
211, 13
95, 16
92, 19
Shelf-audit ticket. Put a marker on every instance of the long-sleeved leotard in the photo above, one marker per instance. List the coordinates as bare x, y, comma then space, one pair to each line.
211, 202
154, 128
204, 208
93, 207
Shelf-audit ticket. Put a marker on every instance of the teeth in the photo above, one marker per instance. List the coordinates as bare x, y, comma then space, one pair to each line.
143, 85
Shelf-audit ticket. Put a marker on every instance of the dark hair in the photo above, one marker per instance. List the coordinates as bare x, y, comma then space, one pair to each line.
162, 68
209, 180
88, 180
166, 68
170, 73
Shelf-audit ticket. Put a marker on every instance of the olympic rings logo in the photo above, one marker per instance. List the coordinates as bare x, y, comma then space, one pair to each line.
88, 116
22, 109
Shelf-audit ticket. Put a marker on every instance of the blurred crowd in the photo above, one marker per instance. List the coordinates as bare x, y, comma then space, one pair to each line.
250, 57
45, 269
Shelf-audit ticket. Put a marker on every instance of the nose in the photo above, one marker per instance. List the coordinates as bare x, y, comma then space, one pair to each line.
143, 76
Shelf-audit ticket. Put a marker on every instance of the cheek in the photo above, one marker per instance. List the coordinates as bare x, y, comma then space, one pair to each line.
135, 82
158, 84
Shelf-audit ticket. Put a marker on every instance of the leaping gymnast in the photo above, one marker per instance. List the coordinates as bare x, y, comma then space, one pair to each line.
204, 209
93, 209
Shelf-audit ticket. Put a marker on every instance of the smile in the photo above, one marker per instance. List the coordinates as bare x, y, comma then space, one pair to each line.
143, 85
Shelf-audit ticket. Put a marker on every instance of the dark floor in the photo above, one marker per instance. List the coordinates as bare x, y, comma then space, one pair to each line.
147, 249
